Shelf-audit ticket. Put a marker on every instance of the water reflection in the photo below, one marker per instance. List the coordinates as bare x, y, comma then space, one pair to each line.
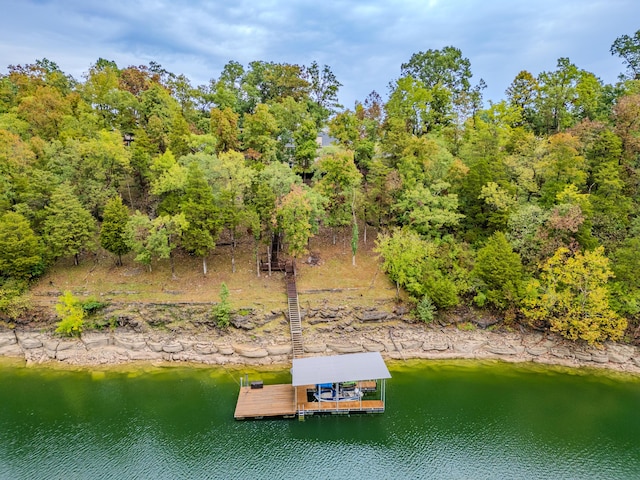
443, 420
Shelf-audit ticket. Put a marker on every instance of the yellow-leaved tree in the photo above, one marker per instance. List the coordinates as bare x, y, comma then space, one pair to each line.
573, 298
69, 309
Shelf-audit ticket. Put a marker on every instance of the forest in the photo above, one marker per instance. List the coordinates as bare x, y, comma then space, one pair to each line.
527, 207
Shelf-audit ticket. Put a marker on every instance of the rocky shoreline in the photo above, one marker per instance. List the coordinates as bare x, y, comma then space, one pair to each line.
259, 339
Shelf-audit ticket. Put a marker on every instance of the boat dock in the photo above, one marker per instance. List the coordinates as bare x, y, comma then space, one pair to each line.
304, 396
287, 401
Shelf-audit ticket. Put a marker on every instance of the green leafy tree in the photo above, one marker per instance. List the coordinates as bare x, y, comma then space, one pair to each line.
522, 94
337, 180
500, 270
224, 127
404, 254
323, 91
445, 69
259, 134
572, 296
113, 236
556, 97
202, 215
232, 179
154, 239
561, 165
628, 48
71, 314
166, 235
20, 251
139, 229
625, 285
68, 228
428, 210
436, 268
168, 182
297, 216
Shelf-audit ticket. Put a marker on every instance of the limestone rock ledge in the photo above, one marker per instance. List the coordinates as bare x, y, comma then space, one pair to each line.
239, 347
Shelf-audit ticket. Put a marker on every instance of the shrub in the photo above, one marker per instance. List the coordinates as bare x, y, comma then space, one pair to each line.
425, 310
71, 314
92, 305
14, 299
222, 311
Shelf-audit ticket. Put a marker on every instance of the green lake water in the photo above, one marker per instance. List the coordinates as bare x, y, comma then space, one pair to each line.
444, 420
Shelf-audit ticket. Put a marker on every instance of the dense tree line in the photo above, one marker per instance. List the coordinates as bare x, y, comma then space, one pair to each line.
528, 205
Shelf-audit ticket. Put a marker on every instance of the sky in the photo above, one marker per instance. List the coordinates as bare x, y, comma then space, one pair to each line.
363, 42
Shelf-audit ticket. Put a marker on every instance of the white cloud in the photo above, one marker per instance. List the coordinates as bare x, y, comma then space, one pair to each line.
364, 43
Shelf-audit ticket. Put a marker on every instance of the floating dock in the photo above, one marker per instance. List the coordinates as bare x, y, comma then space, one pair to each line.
257, 401
287, 401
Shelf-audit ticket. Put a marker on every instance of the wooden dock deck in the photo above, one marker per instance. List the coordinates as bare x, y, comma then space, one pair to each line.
287, 401
269, 401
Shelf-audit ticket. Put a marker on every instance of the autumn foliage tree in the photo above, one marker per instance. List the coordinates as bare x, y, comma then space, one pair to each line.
573, 298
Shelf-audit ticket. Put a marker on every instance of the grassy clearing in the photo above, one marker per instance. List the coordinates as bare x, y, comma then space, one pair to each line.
334, 280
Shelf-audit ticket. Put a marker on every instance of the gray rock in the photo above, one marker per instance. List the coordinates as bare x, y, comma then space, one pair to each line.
129, 343
344, 347
96, 340
373, 347
499, 349
620, 353
11, 350
317, 320
249, 351
66, 345
374, 316
29, 342
560, 352
144, 356
434, 345
204, 349
583, 356
225, 349
66, 354
7, 338
242, 322
467, 346
600, 357
155, 346
484, 322
315, 348
172, 347
279, 349
411, 344
537, 350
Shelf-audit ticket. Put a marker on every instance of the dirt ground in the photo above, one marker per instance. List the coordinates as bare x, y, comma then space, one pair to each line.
325, 275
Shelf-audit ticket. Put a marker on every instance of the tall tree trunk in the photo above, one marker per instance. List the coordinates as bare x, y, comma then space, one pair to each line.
257, 254
76, 262
233, 250
173, 265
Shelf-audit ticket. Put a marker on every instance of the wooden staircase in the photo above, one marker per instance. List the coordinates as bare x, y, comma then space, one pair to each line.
295, 320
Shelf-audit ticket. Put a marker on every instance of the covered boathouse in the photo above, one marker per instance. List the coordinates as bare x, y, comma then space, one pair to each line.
351, 383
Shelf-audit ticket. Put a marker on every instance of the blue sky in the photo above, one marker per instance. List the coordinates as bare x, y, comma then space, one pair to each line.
364, 42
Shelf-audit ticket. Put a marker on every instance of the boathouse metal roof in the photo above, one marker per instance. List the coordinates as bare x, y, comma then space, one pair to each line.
339, 368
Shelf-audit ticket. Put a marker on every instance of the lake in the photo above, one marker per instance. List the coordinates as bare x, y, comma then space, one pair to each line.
444, 420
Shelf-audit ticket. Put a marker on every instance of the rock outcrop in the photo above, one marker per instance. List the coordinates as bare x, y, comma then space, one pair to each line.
263, 339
